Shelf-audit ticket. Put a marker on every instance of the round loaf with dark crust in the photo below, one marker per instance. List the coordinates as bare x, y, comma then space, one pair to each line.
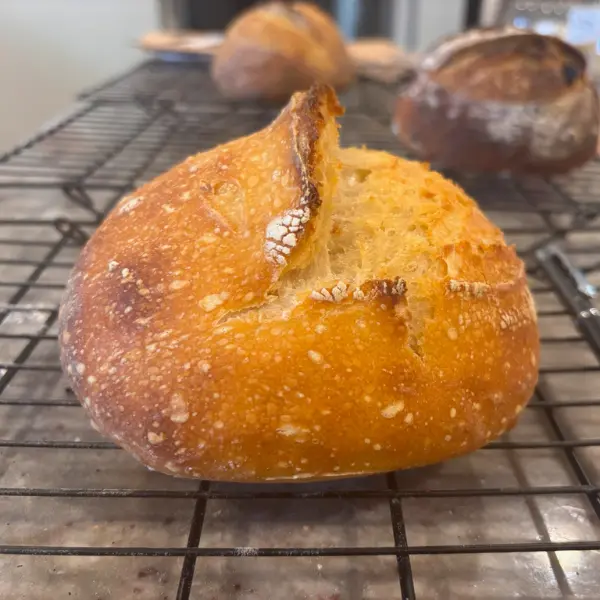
276, 49
501, 100
279, 308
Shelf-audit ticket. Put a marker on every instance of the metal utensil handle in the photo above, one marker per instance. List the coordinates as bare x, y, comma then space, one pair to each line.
574, 290
555, 254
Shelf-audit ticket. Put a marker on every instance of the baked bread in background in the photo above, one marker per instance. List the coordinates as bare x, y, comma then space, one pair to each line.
202, 43
279, 308
501, 100
276, 49
380, 59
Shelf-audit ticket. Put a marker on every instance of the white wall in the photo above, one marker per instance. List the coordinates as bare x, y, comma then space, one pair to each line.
434, 19
439, 18
52, 49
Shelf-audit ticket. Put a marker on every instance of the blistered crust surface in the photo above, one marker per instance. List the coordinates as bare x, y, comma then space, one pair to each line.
333, 387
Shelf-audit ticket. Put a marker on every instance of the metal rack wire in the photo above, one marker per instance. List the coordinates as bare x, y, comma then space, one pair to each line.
521, 516
189, 85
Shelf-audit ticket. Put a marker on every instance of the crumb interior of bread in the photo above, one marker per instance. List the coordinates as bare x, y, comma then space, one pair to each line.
382, 217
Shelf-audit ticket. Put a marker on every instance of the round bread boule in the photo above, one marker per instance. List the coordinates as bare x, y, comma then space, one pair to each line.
279, 308
501, 99
276, 49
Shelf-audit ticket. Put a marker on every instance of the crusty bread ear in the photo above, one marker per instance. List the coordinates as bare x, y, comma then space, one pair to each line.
259, 196
297, 232
278, 309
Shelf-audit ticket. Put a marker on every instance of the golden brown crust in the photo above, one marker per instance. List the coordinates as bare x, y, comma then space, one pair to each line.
163, 344
501, 99
276, 49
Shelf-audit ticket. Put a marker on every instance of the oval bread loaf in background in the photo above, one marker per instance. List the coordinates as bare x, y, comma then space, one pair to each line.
279, 308
276, 49
501, 100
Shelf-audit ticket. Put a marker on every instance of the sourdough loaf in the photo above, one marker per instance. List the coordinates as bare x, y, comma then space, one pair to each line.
279, 48
279, 308
501, 100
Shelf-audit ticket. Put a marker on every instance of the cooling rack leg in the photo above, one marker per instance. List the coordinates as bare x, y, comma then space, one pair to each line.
71, 230
80, 197
189, 562
403, 560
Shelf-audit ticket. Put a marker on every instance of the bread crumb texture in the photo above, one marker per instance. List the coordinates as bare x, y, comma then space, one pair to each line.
295, 301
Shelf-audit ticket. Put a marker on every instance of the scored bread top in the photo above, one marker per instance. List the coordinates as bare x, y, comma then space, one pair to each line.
501, 99
278, 308
506, 64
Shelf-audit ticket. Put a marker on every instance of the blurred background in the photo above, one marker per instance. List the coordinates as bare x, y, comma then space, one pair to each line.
52, 49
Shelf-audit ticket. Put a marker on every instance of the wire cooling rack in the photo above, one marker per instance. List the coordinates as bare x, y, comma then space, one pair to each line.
520, 518
185, 85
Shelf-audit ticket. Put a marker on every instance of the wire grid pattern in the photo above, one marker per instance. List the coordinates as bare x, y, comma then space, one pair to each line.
185, 85
520, 517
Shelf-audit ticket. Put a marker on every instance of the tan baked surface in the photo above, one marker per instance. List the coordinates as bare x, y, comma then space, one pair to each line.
276, 49
500, 100
278, 308
517, 67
